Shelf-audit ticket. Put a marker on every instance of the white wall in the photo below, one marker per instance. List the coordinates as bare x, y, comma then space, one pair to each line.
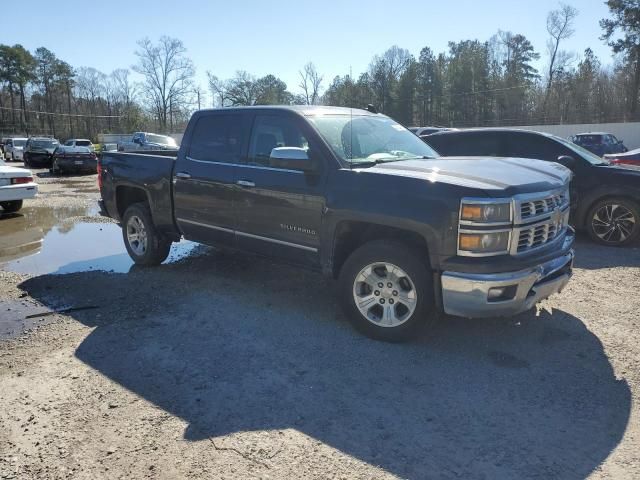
627, 132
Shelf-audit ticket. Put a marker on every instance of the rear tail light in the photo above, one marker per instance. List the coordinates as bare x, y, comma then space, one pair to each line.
21, 180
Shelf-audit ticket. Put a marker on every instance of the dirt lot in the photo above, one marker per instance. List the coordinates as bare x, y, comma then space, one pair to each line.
225, 366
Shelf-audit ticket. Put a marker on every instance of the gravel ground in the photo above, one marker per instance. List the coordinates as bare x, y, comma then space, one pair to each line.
226, 366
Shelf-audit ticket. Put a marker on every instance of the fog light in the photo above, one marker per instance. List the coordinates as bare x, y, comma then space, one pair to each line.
501, 294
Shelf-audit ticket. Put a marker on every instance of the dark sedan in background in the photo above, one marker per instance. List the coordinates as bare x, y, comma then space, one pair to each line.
600, 143
605, 199
74, 159
38, 152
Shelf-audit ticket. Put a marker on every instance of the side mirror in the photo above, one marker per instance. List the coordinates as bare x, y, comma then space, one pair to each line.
566, 161
292, 158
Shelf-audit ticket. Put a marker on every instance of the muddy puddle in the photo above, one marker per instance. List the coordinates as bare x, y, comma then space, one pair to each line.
41, 240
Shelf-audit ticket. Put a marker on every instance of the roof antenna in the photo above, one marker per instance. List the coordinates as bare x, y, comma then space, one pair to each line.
371, 108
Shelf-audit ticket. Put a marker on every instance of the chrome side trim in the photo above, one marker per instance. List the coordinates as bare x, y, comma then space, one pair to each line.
206, 225
249, 235
280, 242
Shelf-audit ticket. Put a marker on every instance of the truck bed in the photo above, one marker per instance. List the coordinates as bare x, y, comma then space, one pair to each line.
148, 173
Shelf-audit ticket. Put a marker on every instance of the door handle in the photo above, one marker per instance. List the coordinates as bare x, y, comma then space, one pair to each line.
183, 175
245, 183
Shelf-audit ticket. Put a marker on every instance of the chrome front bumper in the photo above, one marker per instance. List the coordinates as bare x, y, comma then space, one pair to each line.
467, 295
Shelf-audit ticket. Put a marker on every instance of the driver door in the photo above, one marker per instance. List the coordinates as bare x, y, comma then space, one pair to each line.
279, 210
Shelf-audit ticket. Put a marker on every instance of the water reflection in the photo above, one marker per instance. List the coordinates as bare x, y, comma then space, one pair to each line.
43, 240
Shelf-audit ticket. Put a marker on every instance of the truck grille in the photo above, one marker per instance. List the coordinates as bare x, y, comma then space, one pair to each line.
540, 206
537, 236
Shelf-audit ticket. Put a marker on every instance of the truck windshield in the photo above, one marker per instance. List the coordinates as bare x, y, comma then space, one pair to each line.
160, 139
368, 138
19, 143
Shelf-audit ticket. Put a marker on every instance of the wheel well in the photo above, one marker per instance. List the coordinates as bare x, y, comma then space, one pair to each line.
585, 212
350, 235
127, 196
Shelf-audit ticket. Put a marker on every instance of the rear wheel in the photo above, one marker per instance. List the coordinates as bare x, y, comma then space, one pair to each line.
11, 207
387, 291
614, 222
145, 245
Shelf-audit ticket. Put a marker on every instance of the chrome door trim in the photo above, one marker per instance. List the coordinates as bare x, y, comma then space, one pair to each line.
249, 235
206, 225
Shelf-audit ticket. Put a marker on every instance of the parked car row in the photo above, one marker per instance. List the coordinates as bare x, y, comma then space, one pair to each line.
76, 154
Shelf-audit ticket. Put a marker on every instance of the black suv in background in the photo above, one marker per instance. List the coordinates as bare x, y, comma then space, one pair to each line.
605, 199
38, 152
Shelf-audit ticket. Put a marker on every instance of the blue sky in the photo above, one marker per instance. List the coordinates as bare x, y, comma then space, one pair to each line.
280, 36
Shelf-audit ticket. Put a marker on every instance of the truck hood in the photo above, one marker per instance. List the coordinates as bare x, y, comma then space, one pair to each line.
485, 173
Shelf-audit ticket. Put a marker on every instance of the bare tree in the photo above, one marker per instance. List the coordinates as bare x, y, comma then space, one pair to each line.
218, 88
168, 77
559, 27
310, 82
243, 89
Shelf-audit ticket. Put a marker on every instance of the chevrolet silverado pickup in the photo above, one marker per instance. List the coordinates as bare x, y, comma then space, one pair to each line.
358, 197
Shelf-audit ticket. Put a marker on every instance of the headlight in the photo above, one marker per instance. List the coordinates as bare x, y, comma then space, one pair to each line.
483, 243
485, 212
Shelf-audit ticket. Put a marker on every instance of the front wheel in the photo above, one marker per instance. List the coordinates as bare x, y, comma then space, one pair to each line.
11, 207
144, 244
614, 222
387, 291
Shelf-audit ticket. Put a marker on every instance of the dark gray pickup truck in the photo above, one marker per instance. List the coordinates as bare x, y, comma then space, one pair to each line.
360, 198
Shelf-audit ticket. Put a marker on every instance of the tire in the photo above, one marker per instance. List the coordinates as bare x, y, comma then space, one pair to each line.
614, 222
11, 207
150, 248
406, 283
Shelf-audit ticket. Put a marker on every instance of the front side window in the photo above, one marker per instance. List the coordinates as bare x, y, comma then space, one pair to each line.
370, 138
272, 131
217, 138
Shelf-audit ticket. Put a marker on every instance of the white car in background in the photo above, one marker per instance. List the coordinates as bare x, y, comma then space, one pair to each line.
13, 149
80, 142
16, 185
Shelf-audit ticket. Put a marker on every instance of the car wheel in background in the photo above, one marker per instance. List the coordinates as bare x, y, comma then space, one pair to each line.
614, 222
11, 207
144, 244
387, 292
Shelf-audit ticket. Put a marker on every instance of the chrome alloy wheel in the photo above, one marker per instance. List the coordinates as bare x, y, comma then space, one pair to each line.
137, 235
613, 223
384, 294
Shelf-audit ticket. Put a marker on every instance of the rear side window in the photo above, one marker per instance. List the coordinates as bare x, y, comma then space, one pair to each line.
484, 144
217, 138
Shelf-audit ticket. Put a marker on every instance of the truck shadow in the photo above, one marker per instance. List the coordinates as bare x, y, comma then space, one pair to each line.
237, 344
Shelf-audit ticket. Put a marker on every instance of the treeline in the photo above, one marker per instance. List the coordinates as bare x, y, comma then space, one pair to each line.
473, 83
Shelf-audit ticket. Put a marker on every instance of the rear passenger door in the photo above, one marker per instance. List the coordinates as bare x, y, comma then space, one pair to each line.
280, 210
205, 177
